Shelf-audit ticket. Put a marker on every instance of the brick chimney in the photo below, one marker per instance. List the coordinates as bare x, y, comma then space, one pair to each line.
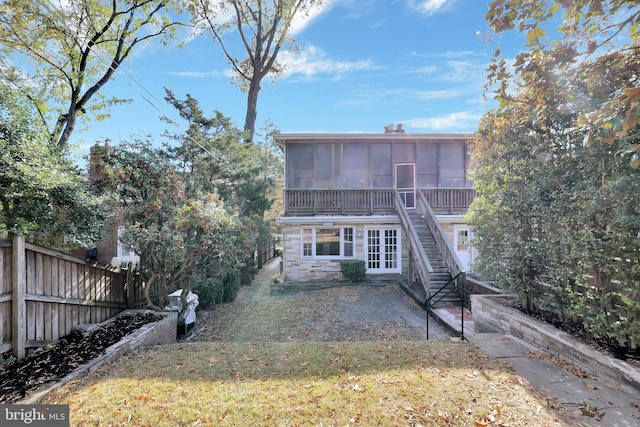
389, 128
97, 154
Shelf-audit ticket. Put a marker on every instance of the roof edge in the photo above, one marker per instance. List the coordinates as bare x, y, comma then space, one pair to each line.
372, 135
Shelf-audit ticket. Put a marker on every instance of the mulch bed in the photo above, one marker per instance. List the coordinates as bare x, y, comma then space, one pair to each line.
17, 379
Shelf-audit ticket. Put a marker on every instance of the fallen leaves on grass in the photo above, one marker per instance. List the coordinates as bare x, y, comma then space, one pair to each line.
411, 383
306, 316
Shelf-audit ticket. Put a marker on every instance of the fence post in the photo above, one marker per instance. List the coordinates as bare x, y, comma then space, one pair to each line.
18, 304
130, 283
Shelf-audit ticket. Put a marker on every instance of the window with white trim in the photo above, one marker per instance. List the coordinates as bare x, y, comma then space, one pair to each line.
122, 249
327, 242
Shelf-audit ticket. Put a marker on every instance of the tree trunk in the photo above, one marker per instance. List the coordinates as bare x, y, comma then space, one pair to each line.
147, 293
252, 111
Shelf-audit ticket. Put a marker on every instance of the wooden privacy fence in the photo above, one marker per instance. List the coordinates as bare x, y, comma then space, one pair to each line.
266, 252
44, 294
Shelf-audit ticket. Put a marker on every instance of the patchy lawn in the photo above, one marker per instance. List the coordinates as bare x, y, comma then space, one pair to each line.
368, 383
292, 361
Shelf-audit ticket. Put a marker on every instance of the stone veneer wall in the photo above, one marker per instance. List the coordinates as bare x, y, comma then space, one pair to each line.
296, 269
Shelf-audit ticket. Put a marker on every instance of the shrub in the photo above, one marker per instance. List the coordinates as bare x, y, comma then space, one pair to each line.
248, 272
210, 292
353, 270
231, 283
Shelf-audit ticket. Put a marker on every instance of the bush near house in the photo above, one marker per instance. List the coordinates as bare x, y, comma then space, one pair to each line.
210, 292
556, 164
557, 222
231, 282
223, 287
354, 270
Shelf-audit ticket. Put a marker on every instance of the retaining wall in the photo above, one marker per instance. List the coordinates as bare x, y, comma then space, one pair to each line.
156, 333
490, 315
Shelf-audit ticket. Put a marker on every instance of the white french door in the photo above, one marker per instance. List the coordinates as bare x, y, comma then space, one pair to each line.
383, 251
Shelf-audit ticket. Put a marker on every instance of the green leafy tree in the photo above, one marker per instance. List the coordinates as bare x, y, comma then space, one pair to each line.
40, 186
64, 52
212, 156
262, 29
557, 219
178, 238
577, 38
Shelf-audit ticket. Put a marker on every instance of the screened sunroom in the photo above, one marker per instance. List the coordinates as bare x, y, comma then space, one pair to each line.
357, 174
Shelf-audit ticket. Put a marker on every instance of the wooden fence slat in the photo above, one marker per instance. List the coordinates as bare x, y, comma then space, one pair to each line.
52, 293
18, 276
3, 280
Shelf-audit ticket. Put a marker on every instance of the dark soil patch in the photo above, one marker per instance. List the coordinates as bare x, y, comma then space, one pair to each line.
18, 379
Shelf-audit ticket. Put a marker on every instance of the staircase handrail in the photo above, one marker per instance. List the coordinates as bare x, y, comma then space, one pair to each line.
445, 287
451, 258
424, 266
449, 290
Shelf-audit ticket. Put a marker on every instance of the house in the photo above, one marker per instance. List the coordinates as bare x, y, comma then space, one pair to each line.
393, 199
109, 250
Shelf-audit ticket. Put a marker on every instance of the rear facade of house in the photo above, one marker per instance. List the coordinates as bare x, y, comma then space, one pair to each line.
393, 199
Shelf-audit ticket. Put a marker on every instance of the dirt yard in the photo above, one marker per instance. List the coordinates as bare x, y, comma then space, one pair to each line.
341, 313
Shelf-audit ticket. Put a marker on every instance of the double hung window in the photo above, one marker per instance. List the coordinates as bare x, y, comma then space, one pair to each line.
331, 242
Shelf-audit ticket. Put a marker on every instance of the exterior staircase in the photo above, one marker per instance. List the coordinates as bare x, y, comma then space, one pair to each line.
434, 264
440, 276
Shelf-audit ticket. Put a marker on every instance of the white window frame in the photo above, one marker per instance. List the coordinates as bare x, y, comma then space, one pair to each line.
343, 242
123, 250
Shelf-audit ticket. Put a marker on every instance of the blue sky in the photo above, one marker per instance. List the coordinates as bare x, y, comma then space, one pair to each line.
362, 64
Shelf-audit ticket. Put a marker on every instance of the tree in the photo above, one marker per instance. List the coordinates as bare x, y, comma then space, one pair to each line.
68, 50
213, 156
179, 237
590, 35
556, 220
262, 27
39, 185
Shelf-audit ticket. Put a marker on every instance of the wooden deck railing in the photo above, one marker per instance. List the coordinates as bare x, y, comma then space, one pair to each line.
449, 200
339, 202
371, 201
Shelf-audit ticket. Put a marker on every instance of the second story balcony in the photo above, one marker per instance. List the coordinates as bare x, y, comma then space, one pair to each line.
380, 201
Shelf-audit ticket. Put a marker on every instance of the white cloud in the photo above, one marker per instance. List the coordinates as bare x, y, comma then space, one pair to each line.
438, 94
428, 69
302, 20
431, 7
371, 96
201, 74
313, 61
461, 121
463, 71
